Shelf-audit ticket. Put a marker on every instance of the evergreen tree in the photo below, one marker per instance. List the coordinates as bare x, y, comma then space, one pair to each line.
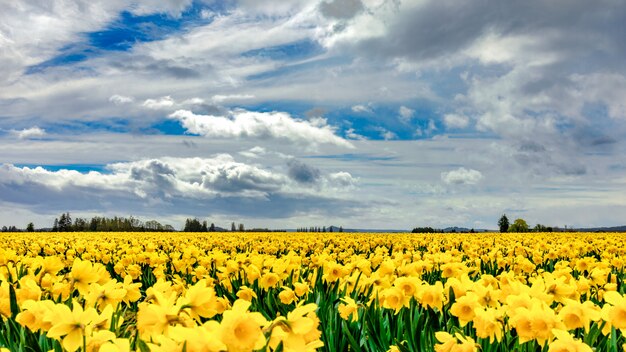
503, 223
212, 227
204, 227
233, 227
30, 227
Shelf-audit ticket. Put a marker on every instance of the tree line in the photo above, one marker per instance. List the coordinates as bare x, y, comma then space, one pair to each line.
520, 225
65, 223
319, 229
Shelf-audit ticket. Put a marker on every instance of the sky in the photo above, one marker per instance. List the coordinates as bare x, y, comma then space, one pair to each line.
382, 114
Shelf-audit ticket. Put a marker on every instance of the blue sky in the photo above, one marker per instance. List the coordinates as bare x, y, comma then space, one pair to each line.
360, 113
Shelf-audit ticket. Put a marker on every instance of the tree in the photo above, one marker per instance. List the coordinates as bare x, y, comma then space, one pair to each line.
30, 227
212, 227
503, 223
241, 228
233, 227
519, 225
204, 226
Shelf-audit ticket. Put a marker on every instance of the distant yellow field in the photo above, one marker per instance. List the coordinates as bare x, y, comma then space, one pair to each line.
312, 291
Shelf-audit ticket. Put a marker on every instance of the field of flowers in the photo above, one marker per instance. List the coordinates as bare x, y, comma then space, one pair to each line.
307, 292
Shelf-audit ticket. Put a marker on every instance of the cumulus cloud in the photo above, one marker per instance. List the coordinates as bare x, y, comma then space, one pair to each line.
263, 125
351, 134
303, 173
428, 130
220, 98
362, 109
455, 121
406, 114
462, 176
120, 99
386, 134
180, 185
160, 103
29, 133
254, 152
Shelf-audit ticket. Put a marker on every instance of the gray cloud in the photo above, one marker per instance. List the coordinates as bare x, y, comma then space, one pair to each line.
341, 9
302, 173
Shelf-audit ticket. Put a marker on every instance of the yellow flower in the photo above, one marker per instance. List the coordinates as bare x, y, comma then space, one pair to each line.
241, 330
333, 272
203, 338
394, 298
33, 313
456, 343
268, 281
301, 288
348, 309
488, 324
5, 302
287, 296
298, 332
133, 293
101, 296
464, 308
579, 315
70, 324
615, 311
200, 301
566, 343
82, 274
246, 293
155, 319
115, 345
408, 285
431, 296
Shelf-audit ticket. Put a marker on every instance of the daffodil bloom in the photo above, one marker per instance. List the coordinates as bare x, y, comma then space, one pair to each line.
566, 343
614, 312
246, 293
82, 274
70, 326
241, 330
488, 323
463, 308
349, 309
298, 331
287, 296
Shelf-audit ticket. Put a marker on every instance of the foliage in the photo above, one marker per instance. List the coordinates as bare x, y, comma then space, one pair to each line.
503, 223
519, 225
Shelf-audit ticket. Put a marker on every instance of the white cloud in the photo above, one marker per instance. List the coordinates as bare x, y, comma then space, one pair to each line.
28, 133
254, 152
219, 98
462, 176
430, 128
342, 180
264, 125
362, 109
386, 134
120, 99
406, 114
160, 103
456, 121
351, 134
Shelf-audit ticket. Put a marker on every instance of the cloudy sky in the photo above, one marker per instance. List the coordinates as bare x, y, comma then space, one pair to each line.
360, 113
